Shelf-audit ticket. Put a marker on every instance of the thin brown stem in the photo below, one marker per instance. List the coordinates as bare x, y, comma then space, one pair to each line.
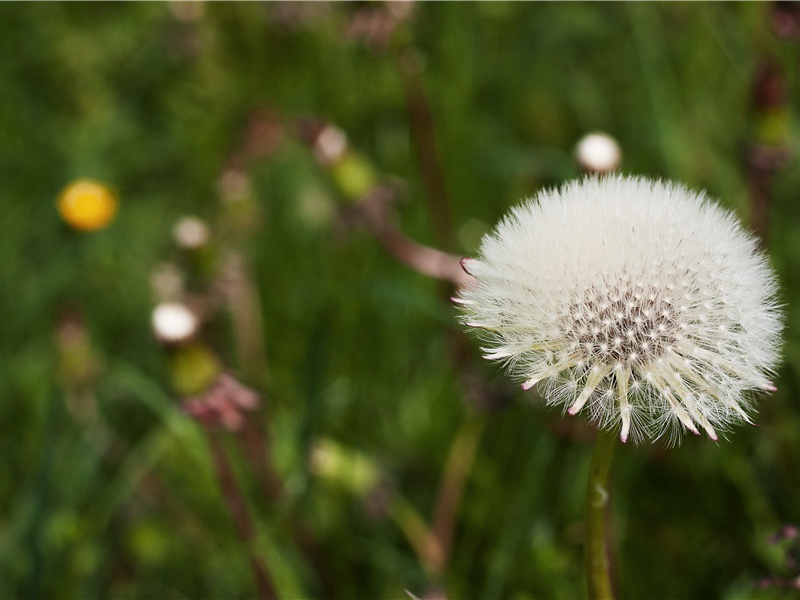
423, 259
768, 150
254, 443
243, 300
421, 538
423, 137
759, 184
240, 514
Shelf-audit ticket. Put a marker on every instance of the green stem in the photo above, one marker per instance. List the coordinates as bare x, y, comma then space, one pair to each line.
598, 553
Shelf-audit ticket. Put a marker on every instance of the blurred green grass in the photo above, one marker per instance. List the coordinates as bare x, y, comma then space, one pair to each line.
121, 500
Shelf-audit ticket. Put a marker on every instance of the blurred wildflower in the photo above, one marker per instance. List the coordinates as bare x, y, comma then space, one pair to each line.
168, 282
223, 403
598, 153
785, 19
234, 185
193, 367
174, 322
376, 23
352, 470
87, 205
642, 301
262, 137
330, 145
190, 233
78, 367
187, 12
77, 361
790, 533
354, 176
352, 173
787, 542
296, 15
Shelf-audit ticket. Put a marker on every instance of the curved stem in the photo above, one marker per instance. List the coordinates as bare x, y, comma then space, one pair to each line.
457, 470
422, 539
598, 553
240, 514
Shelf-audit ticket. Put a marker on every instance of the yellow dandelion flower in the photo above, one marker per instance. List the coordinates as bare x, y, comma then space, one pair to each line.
87, 205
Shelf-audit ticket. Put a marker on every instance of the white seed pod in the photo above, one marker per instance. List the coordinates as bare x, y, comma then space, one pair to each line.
174, 322
641, 302
598, 153
190, 233
330, 145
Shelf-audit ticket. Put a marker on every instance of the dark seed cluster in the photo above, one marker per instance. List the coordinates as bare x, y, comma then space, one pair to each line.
627, 323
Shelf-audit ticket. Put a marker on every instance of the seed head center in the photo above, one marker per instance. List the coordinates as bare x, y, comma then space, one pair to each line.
624, 324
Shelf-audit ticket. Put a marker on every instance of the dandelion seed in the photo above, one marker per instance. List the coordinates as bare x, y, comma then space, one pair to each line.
580, 284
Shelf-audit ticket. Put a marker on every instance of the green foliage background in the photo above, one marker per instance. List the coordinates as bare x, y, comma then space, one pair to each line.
121, 501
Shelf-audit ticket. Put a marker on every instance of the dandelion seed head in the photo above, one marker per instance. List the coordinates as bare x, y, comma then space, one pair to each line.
174, 322
641, 303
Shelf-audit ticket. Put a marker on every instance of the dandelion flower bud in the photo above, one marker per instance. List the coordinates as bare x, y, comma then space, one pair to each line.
330, 145
639, 302
190, 233
174, 322
598, 153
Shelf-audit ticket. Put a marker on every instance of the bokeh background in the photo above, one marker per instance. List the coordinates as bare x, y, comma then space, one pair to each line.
315, 141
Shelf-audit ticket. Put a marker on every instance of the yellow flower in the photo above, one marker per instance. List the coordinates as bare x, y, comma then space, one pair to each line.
87, 205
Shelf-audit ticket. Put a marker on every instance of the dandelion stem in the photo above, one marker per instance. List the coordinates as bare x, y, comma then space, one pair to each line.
459, 465
423, 137
422, 539
597, 548
240, 513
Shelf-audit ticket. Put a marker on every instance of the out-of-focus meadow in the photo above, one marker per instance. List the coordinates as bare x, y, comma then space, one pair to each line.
316, 141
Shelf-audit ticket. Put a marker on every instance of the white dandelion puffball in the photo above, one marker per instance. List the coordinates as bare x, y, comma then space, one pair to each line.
640, 302
174, 322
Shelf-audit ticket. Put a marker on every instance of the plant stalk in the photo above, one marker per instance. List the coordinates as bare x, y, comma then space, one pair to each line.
456, 474
240, 514
597, 549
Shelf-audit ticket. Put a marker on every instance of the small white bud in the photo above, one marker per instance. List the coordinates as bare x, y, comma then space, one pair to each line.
598, 153
174, 322
190, 233
330, 145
